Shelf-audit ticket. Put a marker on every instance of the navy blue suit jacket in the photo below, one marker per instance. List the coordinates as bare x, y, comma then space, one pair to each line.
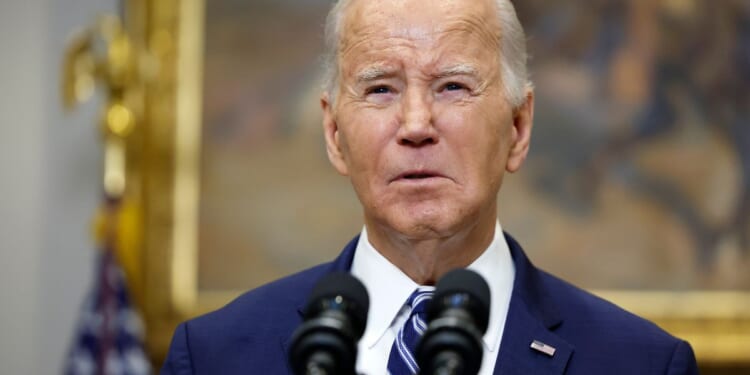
592, 336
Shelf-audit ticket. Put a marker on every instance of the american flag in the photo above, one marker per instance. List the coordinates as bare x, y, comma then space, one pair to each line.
109, 334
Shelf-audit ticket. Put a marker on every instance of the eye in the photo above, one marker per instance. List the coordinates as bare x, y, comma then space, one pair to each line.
453, 86
382, 89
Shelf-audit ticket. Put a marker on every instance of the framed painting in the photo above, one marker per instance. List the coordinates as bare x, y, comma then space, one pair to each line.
637, 186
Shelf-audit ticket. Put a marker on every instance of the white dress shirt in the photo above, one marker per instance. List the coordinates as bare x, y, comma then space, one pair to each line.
389, 289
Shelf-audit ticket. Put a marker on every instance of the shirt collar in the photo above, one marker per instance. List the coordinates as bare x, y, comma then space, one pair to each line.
388, 287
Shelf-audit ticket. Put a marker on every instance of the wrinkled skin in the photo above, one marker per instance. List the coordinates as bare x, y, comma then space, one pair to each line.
422, 128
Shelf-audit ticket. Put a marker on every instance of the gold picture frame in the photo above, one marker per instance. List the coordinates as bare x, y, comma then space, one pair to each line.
165, 182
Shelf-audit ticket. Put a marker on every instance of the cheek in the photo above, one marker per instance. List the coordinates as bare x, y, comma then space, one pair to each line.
496, 129
365, 134
481, 141
482, 133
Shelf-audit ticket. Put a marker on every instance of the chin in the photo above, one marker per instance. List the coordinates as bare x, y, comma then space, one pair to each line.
426, 224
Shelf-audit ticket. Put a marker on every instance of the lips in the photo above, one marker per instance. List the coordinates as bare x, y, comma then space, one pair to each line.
416, 175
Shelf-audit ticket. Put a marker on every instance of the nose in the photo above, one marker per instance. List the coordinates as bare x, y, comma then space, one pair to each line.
417, 123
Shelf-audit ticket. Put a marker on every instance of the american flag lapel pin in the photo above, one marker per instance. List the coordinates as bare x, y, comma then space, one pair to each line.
542, 347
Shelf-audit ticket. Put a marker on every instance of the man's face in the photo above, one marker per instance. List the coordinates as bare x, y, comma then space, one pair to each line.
420, 122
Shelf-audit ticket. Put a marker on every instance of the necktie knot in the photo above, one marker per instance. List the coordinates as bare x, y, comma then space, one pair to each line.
420, 299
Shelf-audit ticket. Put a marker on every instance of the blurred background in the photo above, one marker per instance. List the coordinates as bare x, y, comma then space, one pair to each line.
638, 178
50, 166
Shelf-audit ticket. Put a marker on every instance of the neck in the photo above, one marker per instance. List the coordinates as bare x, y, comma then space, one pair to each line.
425, 260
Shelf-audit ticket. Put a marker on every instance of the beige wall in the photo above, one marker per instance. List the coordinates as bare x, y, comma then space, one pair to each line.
48, 186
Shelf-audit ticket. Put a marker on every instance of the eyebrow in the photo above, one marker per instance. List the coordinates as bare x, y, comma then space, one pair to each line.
373, 73
458, 69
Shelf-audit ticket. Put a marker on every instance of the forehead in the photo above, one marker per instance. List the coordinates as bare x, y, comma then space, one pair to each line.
425, 24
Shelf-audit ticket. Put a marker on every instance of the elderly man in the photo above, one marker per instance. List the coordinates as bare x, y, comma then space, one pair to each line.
427, 106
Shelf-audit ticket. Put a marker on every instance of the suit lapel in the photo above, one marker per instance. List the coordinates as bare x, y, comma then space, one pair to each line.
342, 263
516, 355
531, 317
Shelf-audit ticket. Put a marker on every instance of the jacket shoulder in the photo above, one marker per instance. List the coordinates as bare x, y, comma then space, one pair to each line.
601, 337
604, 333
579, 307
267, 303
249, 332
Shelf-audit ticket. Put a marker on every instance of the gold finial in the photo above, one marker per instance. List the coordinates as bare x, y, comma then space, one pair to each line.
105, 55
78, 72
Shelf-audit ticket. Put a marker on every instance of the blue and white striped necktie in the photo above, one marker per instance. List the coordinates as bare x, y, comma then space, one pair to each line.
402, 360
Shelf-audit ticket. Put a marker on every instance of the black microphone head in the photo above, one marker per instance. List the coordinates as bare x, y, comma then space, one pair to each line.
465, 289
334, 320
457, 318
340, 291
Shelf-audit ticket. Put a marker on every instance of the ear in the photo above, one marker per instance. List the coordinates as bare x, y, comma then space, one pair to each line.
332, 136
523, 121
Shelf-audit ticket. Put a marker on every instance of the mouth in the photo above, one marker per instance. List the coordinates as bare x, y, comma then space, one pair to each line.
417, 175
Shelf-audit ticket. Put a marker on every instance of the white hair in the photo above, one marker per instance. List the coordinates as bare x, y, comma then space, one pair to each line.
512, 51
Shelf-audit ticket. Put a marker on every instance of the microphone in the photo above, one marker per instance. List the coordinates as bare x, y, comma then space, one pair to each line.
457, 318
334, 320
